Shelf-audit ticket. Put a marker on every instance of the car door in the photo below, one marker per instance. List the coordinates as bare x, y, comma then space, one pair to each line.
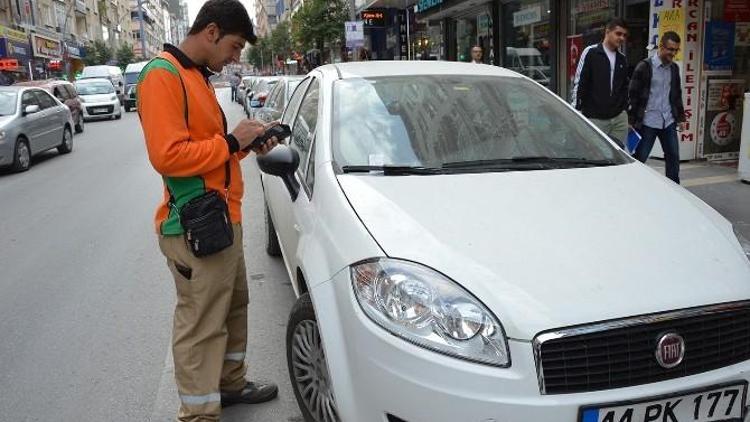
52, 113
32, 124
289, 216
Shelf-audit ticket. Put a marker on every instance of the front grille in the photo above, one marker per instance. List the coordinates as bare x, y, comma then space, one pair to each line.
100, 110
623, 353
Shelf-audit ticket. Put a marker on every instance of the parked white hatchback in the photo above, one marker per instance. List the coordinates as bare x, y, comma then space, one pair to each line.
467, 248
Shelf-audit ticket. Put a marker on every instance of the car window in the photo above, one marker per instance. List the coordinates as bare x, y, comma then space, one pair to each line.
28, 98
71, 91
310, 176
294, 102
275, 96
95, 88
7, 103
45, 100
456, 120
60, 93
303, 130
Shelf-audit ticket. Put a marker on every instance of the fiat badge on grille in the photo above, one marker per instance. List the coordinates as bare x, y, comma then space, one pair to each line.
670, 350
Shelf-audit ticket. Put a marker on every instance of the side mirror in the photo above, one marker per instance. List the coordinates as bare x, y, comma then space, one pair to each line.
31, 109
283, 162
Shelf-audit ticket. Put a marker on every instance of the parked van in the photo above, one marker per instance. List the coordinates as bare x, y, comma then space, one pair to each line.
113, 73
131, 80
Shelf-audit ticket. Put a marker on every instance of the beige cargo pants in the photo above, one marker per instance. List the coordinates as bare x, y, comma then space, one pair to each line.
209, 335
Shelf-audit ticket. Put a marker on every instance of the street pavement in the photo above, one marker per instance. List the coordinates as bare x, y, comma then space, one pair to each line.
86, 299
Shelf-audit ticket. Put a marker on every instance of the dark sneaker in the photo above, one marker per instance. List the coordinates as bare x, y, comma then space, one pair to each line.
252, 393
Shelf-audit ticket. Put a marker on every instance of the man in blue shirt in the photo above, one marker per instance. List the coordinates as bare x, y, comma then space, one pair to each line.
656, 108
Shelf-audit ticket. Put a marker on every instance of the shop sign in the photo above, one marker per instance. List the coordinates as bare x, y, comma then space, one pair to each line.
14, 35
719, 46
423, 5
591, 5
689, 66
737, 10
45, 47
672, 20
8, 64
527, 16
723, 118
355, 35
403, 35
374, 18
13, 49
73, 50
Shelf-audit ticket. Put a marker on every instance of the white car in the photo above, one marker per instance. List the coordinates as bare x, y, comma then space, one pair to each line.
468, 248
98, 99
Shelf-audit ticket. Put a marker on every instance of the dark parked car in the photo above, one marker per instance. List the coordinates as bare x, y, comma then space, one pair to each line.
66, 93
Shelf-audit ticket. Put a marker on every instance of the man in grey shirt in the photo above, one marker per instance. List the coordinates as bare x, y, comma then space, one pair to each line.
656, 108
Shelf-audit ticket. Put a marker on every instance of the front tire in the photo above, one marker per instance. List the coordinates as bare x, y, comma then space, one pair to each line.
308, 368
272, 241
21, 156
67, 144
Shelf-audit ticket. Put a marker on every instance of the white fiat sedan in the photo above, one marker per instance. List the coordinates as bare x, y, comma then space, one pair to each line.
467, 248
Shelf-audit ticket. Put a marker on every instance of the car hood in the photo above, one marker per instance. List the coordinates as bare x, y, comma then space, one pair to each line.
555, 248
97, 98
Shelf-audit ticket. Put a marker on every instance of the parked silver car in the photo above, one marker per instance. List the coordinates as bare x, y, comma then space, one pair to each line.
31, 121
278, 98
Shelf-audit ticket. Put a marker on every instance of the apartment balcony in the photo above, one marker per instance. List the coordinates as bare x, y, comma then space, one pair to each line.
80, 7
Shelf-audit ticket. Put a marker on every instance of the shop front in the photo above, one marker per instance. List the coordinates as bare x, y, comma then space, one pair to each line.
448, 30
15, 53
529, 39
74, 55
47, 60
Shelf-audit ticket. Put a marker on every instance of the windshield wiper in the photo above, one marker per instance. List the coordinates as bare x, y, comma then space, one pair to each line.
530, 162
393, 170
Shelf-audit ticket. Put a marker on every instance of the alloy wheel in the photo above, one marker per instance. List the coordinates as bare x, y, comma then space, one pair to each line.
311, 372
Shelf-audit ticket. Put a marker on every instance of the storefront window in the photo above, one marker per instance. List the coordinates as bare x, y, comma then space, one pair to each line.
473, 29
527, 32
588, 19
726, 69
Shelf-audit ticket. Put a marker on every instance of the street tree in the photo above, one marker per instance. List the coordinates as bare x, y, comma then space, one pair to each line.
319, 22
125, 55
97, 54
260, 54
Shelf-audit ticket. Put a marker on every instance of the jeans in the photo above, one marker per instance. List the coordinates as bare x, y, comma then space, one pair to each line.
669, 144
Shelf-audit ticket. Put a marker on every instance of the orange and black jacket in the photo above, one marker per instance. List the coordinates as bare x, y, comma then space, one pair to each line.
190, 149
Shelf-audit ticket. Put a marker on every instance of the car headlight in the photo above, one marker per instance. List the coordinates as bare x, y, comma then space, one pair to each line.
428, 309
2, 135
81, 99
743, 242
113, 97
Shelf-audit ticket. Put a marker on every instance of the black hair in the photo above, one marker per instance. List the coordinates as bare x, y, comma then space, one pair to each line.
670, 36
614, 23
229, 15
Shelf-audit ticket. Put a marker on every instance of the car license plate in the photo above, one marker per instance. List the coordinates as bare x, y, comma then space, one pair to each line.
100, 110
718, 404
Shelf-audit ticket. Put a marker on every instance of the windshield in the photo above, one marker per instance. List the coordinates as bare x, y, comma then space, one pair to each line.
95, 88
437, 121
7, 103
131, 78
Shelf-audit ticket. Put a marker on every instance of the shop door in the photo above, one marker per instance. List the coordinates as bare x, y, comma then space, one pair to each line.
636, 15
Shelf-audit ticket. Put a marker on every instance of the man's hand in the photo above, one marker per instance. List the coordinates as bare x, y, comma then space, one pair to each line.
246, 132
270, 144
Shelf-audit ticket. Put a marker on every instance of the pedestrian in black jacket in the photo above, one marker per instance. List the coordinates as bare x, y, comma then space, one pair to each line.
600, 87
656, 108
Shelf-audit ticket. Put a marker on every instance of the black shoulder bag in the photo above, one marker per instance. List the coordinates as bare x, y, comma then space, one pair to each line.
205, 219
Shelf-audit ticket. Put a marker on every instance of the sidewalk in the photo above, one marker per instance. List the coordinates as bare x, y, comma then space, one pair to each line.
718, 185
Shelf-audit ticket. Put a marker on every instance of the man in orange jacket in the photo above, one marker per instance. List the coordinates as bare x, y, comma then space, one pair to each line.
190, 147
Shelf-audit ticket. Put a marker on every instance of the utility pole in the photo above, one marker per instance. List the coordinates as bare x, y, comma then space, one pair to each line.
142, 31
